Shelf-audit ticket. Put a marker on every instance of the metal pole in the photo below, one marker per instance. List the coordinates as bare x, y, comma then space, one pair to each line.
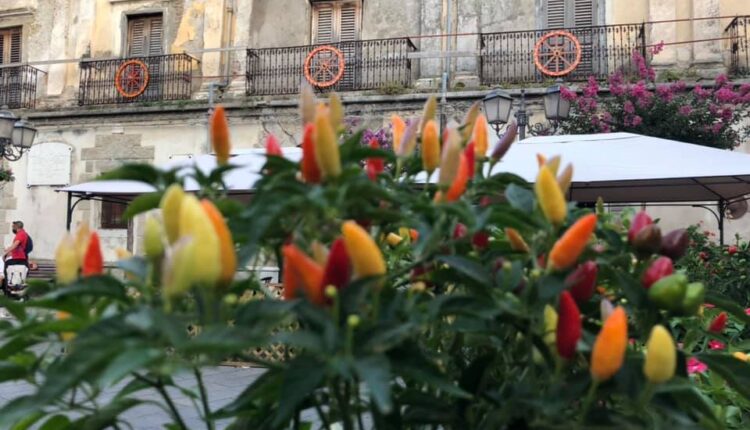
722, 206
69, 219
521, 117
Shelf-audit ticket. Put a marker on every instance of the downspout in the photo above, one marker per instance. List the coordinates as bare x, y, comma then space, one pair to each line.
227, 34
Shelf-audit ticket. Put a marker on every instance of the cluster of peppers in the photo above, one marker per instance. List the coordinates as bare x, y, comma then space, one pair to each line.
78, 255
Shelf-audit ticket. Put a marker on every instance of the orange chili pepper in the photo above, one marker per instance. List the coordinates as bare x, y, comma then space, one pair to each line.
608, 353
516, 240
569, 247
310, 170
220, 135
307, 274
541, 160
226, 244
430, 147
93, 262
413, 234
398, 131
307, 103
480, 136
272, 146
565, 178
458, 187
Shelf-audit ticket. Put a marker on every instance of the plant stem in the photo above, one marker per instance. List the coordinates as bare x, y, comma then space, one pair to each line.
588, 401
344, 406
158, 385
358, 405
645, 397
319, 410
204, 398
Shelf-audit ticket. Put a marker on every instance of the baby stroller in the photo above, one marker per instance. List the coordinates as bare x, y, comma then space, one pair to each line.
15, 282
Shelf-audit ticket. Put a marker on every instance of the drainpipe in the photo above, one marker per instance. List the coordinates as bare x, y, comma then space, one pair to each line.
227, 33
446, 69
212, 87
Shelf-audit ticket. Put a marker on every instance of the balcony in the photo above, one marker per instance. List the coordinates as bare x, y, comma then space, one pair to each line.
736, 34
18, 86
137, 79
349, 66
508, 57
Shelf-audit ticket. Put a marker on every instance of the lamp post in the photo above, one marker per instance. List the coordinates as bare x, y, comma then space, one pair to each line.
16, 135
498, 105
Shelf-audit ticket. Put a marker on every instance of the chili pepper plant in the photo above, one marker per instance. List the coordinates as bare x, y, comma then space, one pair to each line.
413, 297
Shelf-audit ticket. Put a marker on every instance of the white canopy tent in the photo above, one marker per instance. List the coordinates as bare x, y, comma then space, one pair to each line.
622, 168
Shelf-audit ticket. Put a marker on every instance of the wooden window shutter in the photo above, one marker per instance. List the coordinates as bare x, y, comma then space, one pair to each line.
555, 13
583, 13
145, 35
323, 20
349, 22
10, 45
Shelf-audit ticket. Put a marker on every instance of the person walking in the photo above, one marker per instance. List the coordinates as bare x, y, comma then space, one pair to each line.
15, 254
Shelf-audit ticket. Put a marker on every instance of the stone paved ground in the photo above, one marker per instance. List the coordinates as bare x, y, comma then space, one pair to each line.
222, 383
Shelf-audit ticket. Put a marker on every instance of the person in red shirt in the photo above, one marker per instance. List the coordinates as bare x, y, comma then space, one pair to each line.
16, 252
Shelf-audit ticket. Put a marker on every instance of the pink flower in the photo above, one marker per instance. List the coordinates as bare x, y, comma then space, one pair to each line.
615, 84
679, 86
628, 107
725, 95
665, 92
744, 89
637, 120
721, 80
644, 71
726, 114
567, 94
709, 305
695, 366
656, 49
685, 110
715, 344
700, 92
638, 90
747, 311
592, 88
716, 128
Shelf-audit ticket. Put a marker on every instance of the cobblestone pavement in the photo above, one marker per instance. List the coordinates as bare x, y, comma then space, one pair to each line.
223, 384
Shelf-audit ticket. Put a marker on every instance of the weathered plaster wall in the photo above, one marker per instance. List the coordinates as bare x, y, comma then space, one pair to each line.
279, 23
390, 18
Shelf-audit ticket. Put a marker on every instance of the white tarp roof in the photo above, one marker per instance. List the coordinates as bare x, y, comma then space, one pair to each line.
619, 167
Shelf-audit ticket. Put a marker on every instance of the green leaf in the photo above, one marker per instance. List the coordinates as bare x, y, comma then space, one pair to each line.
376, 372
134, 172
468, 267
734, 371
303, 376
29, 421
107, 416
128, 361
97, 286
11, 371
57, 422
520, 198
142, 203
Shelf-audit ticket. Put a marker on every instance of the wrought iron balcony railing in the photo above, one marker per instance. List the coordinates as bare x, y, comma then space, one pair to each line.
18, 86
509, 57
136, 79
345, 66
736, 34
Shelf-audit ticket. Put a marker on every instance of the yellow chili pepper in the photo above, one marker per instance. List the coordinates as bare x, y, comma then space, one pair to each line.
550, 197
153, 238
428, 113
451, 158
740, 356
170, 209
326, 147
307, 104
66, 335
226, 244
516, 240
366, 258
220, 135
553, 164
399, 126
661, 356
565, 179
608, 353
83, 234
550, 326
195, 223
430, 147
469, 121
481, 141
179, 267
337, 111
393, 239
569, 247
67, 262
319, 252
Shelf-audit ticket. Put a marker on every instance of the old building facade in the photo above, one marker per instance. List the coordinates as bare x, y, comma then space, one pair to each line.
132, 80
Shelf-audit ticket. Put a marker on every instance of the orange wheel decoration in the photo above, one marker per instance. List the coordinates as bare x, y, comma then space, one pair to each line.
324, 66
557, 53
132, 78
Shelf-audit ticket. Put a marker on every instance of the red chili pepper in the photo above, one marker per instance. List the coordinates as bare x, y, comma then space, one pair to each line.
485, 201
310, 169
272, 146
470, 154
660, 268
719, 323
338, 268
582, 281
732, 250
307, 275
459, 232
568, 326
640, 220
481, 240
374, 165
93, 262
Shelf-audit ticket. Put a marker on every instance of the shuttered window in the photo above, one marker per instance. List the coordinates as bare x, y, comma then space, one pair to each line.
145, 35
335, 21
570, 13
10, 45
112, 216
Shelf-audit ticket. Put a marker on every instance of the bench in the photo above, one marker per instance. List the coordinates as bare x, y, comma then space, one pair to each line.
44, 271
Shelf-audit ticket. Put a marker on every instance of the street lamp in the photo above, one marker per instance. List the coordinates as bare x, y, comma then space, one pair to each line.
16, 135
498, 104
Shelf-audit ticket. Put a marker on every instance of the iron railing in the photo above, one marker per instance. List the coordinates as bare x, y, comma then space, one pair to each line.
508, 57
739, 57
18, 86
368, 64
170, 77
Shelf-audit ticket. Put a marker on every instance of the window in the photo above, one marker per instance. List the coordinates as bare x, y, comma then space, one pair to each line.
335, 21
10, 45
570, 13
144, 35
112, 216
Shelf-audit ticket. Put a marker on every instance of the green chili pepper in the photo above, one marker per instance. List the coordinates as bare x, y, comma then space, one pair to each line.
668, 292
694, 298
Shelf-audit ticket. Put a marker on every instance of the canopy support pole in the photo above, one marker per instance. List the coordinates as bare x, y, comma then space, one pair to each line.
721, 207
71, 208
